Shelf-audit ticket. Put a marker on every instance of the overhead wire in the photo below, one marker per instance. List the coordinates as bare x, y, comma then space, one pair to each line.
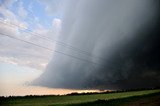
50, 40
59, 43
51, 50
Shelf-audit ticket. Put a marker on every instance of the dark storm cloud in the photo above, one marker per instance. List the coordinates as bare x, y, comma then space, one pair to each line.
124, 33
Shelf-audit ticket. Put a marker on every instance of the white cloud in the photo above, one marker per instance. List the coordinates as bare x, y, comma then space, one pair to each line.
20, 53
53, 6
17, 52
10, 17
10, 60
56, 23
6, 3
51, 33
6, 29
21, 11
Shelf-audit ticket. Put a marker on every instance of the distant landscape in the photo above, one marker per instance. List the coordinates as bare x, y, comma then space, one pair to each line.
126, 98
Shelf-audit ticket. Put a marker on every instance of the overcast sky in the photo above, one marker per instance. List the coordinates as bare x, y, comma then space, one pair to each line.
117, 45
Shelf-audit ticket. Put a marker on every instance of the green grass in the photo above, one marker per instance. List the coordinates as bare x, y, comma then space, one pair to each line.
70, 99
147, 99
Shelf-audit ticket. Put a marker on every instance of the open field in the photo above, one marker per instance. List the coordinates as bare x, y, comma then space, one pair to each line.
141, 100
121, 98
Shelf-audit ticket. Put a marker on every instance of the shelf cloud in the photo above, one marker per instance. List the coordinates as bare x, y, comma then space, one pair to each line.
117, 46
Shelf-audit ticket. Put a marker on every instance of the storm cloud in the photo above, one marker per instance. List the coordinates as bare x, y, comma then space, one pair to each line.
118, 46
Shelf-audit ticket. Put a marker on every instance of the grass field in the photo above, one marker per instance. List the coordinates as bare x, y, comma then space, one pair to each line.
90, 99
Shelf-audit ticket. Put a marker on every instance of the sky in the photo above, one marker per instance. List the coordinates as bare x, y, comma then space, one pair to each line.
33, 16
21, 62
59, 46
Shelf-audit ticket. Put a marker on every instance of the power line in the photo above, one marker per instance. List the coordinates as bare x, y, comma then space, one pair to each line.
58, 42
51, 49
